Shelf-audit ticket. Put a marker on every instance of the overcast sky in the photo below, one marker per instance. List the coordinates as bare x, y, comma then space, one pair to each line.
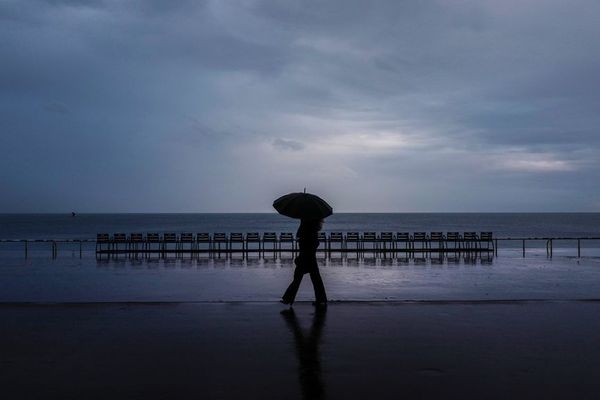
222, 106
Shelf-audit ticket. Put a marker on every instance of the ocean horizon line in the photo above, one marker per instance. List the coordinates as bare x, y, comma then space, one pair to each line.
275, 213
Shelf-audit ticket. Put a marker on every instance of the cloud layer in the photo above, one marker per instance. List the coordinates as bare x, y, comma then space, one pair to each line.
209, 106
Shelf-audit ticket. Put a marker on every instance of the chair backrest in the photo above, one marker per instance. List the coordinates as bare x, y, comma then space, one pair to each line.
402, 236
153, 238
236, 237
220, 237
253, 237
452, 236
336, 237
487, 236
386, 236
269, 237
438, 236
202, 237
136, 237
352, 237
102, 237
120, 237
369, 236
420, 236
322, 237
186, 237
469, 236
286, 237
170, 237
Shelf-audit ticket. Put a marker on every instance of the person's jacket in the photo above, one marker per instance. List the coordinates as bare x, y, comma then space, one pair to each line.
307, 249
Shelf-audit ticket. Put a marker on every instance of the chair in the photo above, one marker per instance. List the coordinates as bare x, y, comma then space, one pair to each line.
403, 237
218, 239
420, 237
438, 238
102, 238
135, 240
287, 237
203, 238
253, 237
487, 239
353, 237
336, 237
119, 238
169, 238
455, 239
470, 240
269, 237
152, 238
369, 237
186, 238
387, 237
322, 237
236, 238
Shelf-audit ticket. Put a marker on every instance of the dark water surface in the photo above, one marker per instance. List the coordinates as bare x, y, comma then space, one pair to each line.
85, 226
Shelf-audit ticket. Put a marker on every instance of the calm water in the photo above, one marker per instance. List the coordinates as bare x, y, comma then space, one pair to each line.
502, 224
508, 276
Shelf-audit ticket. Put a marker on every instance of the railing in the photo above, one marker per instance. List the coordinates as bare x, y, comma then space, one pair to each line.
271, 242
52, 242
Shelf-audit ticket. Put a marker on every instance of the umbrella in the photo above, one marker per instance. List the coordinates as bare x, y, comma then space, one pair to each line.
302, 205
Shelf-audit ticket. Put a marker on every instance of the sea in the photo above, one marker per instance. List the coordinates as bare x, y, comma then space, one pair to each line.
79, 277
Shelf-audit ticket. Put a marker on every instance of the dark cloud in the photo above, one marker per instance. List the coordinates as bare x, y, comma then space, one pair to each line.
410, 97
287, 144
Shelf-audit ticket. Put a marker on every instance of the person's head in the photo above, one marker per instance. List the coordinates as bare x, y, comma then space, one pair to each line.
310, 225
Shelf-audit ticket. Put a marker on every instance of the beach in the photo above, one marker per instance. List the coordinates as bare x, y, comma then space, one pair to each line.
211, 326
386, 350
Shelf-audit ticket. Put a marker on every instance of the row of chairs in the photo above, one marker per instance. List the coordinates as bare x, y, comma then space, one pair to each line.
414, 241
331, 241
189, 241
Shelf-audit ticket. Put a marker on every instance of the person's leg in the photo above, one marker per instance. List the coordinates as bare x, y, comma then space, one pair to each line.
290, 294
317, 281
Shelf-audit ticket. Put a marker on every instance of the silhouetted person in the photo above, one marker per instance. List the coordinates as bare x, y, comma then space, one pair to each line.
306, 262
307, 350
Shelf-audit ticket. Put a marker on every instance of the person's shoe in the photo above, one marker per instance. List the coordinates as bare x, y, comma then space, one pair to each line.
286, 302
322, 303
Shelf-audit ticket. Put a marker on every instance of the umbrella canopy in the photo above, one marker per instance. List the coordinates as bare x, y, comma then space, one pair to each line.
302, 205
